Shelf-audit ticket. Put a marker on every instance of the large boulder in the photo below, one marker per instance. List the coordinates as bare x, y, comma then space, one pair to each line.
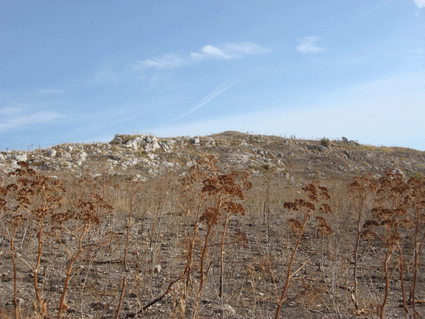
135, 143
195, 141
51, 153
20, 157
211, 142
117, 139
152, 147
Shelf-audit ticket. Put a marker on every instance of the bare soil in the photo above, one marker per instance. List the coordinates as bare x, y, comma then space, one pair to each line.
322, 280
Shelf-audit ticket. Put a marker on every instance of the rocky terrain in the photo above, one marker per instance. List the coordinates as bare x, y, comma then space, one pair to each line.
143, 156
141, 212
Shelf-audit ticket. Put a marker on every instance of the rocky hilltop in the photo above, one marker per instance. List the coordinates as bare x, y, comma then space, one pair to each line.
141, 157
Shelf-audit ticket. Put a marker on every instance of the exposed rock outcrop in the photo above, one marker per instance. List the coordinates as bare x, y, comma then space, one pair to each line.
144, 156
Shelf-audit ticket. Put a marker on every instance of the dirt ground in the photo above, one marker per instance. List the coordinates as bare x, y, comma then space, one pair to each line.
257, 252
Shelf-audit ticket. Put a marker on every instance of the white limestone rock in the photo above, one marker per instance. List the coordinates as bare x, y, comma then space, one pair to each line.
195, 141
19, 157
51, 153
135, 143
117, 139
67, 155
152, 147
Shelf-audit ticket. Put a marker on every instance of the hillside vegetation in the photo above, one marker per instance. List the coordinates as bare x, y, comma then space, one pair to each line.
230, 225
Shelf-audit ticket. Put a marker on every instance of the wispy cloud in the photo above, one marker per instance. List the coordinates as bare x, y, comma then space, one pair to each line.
351, 112
223, 51
167, 61
210, 51
218, 91
229, 51
308, 45
28, 119
374, 7
420, 3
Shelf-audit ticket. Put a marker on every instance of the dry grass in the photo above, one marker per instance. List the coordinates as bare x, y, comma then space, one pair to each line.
212, 244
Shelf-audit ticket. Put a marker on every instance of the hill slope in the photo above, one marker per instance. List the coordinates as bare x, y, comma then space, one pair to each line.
144, 156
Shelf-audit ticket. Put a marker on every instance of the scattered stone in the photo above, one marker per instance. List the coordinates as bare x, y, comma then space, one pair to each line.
227, 309
160, 156
20, 157
195, 141
165, 147
67, 155
135, 143
397, 171
51, 153
157, 269
117, 139
211, 142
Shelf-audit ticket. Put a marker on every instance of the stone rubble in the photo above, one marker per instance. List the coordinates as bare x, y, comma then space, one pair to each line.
147, 156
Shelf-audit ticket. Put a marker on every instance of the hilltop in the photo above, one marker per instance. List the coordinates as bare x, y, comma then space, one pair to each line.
142, 157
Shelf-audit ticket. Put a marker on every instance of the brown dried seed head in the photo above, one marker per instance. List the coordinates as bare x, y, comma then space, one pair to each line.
354, 184
289, 205
370, 223
369, 234
241, 238
323, 226
3, 191
210, 189
389, 223
210, 216
326, 208
407, 223
247, 185
295, 224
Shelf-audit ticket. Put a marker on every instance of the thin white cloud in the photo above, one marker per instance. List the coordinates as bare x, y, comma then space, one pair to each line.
223, 51
28, 119
374, 7
384, 112
221, 89
218, 91
420, 3
211, 52
229, 51
51, 91
308, 45
167, 61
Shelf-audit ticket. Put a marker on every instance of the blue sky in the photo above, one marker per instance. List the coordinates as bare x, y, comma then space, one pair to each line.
81, 71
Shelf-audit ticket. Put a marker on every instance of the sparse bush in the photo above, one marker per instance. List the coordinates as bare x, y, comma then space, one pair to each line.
314, 204
210, 200
325, 142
